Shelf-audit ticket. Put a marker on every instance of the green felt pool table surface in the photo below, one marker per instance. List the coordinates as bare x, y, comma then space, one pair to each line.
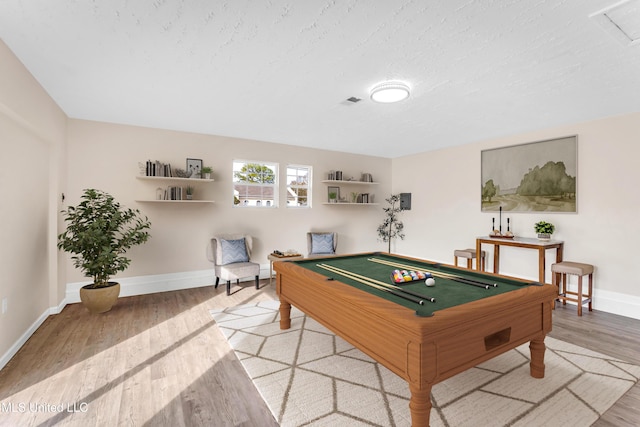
446, 291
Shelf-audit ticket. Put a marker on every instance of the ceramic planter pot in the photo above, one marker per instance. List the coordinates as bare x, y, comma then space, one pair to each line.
544, 236
100, 300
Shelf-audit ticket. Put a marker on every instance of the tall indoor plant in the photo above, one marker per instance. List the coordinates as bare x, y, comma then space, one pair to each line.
391, 227
99, 233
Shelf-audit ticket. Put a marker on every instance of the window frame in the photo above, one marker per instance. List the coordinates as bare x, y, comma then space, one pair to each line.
308, 186
275, 186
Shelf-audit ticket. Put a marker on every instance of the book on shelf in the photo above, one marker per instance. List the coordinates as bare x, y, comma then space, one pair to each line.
157, 168
173, 193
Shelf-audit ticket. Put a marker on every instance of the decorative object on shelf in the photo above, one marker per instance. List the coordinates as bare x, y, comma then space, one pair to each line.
194, 168
99, 233
391, 227
334, 194
354, 197
497, 232
338, 175
180, 173
189, 191
159, 193
544, 230
206, 172
366, 177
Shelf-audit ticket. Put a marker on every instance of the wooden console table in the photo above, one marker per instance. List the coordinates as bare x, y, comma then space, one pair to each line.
521, 242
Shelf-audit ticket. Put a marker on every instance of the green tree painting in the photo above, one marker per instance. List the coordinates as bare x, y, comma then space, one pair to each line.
534, 177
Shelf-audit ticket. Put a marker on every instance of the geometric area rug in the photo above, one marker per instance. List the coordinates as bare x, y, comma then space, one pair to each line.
308, 376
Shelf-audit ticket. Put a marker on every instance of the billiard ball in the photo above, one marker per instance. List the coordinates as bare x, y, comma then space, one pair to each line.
430, 282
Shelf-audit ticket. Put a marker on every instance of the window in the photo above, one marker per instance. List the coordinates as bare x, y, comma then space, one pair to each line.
255, 184
299, 186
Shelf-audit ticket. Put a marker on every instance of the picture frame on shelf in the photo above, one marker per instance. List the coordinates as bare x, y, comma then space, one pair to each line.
194, 168
335, 191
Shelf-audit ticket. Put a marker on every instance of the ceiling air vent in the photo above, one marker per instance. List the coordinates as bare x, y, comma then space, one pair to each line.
622, 21
354, 99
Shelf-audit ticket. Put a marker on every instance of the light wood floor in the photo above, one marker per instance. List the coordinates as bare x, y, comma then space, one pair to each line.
159, 360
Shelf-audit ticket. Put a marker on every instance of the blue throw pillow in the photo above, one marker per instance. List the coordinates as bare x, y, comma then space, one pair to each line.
233, 251
322, 243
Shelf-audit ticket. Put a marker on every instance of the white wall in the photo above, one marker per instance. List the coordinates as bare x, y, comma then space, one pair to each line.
106, 156
446, 214
32, 130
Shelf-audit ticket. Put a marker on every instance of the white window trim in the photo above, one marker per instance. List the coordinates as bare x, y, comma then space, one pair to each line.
308, 186
275, 185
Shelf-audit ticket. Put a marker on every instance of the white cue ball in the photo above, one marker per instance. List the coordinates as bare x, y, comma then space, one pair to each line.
430, 282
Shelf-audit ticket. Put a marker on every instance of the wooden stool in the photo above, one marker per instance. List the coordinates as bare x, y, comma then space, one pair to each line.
470, 255
577, 269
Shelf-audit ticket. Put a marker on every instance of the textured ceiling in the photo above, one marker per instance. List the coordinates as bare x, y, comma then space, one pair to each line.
281, 71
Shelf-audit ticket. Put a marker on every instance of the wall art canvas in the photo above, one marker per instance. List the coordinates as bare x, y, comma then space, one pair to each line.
534, 177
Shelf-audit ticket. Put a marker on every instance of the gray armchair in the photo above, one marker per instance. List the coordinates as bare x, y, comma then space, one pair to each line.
231, 258
321, 243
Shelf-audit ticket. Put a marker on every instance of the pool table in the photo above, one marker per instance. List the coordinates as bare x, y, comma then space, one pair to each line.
424, 343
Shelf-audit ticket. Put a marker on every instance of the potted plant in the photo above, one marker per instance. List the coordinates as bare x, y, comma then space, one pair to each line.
391, 227
544, 230
189, 191
332, 197
206, 172
99, 233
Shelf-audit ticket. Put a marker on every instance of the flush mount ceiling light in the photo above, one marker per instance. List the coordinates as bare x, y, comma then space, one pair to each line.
390, 92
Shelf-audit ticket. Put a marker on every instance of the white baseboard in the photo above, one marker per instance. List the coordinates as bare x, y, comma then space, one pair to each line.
141, 285
23, 339
616, 303
610, 302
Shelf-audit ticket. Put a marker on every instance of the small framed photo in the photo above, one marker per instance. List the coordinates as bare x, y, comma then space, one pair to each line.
334, 194
194, 168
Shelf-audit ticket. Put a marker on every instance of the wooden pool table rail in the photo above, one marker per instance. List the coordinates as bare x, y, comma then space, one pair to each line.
422, 350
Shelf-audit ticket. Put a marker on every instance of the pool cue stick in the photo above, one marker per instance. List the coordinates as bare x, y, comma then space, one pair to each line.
385, 284
436, 273
399, 293
373, 285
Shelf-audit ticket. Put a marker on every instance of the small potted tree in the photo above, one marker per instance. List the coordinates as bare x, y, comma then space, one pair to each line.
544, 230
99, 233
333, 197
391, 227
189, 191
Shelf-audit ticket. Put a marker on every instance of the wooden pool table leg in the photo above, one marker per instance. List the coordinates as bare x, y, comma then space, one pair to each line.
285, 314
420, 405
537, 348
